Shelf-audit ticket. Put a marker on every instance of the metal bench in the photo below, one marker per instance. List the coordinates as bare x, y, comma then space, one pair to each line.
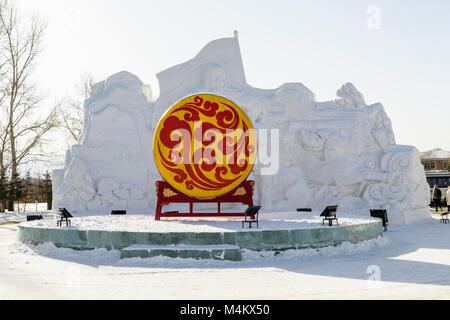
382, 214
251, 216
34, 217
444, 217
118, 212
329, 214
65, 215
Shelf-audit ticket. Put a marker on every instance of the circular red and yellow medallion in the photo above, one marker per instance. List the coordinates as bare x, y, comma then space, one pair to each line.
204, 146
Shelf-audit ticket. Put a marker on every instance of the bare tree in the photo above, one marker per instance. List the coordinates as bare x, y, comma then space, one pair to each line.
27, 122
72, 109
4, 147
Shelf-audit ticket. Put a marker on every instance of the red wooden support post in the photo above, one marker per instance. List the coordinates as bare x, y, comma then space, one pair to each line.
167, 194
158, 204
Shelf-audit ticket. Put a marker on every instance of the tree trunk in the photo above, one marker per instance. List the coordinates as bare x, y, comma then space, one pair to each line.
11, 202
12, 143
49, 200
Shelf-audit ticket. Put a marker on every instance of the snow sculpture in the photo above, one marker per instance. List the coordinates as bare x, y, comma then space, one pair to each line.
334, 152
76, 187
115, 145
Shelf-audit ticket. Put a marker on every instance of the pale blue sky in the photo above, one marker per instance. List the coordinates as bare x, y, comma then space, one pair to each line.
323, 44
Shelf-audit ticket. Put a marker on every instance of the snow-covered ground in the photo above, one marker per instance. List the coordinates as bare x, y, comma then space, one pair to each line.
409, 262
25, 209
147, 223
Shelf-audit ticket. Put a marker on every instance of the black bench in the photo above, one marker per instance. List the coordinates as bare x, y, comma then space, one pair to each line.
34, 217
329, 214
444, 217
304, 210
118, 212
382, 214
251, 216
65, 215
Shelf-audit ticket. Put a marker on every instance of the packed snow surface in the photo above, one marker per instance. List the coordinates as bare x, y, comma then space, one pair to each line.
25, 209
180, 247
408, 262
142, 223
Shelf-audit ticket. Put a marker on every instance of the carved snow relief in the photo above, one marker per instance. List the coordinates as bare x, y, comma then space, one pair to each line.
340, 152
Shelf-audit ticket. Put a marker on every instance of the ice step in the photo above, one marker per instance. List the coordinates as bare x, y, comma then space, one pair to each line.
216, 252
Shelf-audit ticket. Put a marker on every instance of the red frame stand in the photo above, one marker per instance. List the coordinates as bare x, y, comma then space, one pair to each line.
167, 195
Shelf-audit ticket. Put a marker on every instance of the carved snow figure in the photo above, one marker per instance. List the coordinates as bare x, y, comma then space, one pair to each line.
214, 78
341, 151
76, 188
112, 145
350, 98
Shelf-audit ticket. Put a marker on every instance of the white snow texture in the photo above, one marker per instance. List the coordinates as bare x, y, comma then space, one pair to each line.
339, 152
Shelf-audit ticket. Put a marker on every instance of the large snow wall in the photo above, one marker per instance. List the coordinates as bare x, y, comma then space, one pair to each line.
334, 152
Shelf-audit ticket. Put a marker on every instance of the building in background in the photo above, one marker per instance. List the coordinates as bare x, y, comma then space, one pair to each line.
436, 159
